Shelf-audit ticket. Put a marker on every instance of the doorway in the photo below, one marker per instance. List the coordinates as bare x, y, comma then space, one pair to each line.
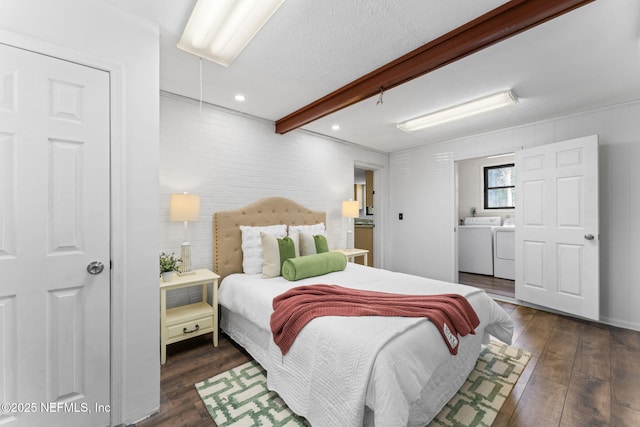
481, 246
364, 224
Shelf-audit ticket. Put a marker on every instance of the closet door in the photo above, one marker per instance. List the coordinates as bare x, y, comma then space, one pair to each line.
54, 242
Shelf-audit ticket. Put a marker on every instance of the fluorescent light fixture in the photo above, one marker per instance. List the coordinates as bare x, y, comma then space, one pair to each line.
497, 156
218, 30
477, 106
240, 98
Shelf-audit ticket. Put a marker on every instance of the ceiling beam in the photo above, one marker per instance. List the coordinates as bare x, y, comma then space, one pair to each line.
499, 24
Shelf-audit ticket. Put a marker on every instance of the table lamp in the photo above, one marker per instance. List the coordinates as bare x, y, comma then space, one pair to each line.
184, 207
350, 210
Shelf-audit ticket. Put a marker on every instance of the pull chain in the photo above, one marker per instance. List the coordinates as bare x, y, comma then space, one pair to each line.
380, 101
201, 84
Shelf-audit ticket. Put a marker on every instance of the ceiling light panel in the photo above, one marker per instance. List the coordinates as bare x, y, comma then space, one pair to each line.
219, 30
497, 156
471, 108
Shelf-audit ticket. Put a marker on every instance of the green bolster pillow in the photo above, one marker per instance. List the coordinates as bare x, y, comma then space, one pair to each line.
313, 265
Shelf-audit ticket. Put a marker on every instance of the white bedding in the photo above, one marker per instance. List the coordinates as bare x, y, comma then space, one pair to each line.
338, 366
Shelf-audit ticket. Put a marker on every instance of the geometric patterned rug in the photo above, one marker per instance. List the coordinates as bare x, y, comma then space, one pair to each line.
480, 398
240, 398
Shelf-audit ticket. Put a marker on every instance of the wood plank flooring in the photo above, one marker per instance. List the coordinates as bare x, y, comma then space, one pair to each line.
493, 285
581, 374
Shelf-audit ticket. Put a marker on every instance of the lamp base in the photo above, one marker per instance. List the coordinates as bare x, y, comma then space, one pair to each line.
185, 273
185, 256
350, 242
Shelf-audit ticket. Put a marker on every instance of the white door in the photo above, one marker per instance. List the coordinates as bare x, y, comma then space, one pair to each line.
54, 221
557, 247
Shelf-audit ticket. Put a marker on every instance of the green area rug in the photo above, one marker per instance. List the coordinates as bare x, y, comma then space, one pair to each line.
239, 397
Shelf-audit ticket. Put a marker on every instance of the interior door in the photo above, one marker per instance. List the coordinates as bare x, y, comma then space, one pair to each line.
54, 222
557, 240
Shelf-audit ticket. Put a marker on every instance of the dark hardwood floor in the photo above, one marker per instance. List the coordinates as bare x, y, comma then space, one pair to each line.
493, 285
581, 374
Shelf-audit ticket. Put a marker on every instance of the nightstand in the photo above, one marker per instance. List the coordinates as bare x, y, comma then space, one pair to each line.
192, 320
352, 253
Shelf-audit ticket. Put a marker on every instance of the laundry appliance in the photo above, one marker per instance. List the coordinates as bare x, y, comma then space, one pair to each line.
475, 244
504, 250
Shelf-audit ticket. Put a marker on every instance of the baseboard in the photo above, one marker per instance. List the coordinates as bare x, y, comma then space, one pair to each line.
603, 319
620, 323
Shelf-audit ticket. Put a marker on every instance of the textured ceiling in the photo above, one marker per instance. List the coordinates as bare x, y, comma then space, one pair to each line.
585, 59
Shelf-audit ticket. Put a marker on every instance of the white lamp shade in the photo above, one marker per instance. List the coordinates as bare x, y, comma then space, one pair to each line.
184, 207
350, 209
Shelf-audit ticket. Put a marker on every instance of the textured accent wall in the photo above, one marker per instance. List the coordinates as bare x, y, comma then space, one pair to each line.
231, 160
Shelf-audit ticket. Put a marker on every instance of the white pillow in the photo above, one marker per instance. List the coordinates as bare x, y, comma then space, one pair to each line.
294, 230
311, 229
252, 245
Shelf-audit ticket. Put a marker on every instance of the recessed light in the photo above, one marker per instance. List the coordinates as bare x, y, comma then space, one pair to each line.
240, 98
335, 127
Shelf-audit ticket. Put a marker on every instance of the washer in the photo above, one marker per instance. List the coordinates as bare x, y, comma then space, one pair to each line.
475, 244
504, 250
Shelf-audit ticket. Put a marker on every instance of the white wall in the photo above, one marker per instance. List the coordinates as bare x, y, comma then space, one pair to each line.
422, 185
88, 31
471, 187
231, 160
421, 188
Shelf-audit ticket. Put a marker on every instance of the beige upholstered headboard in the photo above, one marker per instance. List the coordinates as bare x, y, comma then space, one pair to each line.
227, 238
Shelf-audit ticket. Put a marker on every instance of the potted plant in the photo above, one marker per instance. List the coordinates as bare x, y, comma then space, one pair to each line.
168, 265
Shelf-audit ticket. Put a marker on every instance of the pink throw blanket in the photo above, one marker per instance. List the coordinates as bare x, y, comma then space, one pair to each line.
452, 314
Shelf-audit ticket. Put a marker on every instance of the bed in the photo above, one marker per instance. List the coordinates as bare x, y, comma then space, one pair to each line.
347, 371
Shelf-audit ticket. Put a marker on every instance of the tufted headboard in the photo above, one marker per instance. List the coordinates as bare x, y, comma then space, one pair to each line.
227, 238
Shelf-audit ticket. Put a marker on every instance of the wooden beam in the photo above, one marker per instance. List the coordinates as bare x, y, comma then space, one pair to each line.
499, 24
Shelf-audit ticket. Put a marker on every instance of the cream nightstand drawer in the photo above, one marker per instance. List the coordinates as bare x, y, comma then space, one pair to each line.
190, 329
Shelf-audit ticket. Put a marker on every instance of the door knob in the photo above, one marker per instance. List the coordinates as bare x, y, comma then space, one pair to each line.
95, 267
589, 236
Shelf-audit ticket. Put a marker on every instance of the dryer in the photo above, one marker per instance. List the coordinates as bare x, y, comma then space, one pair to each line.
475, 244
504, 250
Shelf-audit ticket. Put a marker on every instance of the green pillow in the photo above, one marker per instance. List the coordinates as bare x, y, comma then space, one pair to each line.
287, 249
313, 265
321, 243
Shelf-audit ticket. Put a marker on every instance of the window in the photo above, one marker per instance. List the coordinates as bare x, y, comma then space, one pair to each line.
499, 187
